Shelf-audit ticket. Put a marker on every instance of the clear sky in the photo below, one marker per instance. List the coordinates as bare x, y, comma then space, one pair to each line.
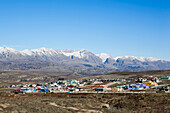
116, 27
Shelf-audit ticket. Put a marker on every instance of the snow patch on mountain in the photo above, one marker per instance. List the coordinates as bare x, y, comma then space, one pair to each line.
142, 59
7, 49
41, 51
104, 56
81, 53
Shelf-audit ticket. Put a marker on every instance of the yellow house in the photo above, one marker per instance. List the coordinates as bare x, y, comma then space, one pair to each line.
150, 83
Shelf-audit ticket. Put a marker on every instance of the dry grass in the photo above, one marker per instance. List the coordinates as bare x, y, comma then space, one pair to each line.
40, 103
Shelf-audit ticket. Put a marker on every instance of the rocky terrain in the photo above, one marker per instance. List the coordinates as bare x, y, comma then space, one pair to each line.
83, 103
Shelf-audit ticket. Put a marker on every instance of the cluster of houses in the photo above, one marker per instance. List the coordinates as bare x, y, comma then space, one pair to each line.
145, 84
92, 85
61, 85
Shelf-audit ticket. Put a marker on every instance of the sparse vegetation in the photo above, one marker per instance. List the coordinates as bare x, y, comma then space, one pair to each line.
106, 103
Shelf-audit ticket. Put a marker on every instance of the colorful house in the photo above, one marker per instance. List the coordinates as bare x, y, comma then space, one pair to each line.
150, 83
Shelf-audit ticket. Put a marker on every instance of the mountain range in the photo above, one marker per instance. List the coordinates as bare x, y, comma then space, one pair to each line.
79, 62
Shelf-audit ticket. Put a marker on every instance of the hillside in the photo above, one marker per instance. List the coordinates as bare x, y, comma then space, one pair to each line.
26, 76
124, 75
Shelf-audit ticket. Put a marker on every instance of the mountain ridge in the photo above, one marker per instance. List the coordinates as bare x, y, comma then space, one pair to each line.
64, 51
79, 61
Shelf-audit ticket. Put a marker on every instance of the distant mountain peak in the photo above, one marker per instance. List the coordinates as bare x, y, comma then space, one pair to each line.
8, 49
40, 51
104, 56
142, 59
81, 50
80, 53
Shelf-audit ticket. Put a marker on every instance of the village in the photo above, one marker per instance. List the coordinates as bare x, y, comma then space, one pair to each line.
93, 94
149, 84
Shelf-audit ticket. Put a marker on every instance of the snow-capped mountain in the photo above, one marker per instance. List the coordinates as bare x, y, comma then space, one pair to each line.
41, 51
80, 60
9, 53
6, 51
142, 59
104, 56
76, 53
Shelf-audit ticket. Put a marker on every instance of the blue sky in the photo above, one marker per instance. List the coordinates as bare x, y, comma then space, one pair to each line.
116, 27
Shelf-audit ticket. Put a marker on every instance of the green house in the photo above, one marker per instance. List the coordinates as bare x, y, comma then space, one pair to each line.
165, 78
